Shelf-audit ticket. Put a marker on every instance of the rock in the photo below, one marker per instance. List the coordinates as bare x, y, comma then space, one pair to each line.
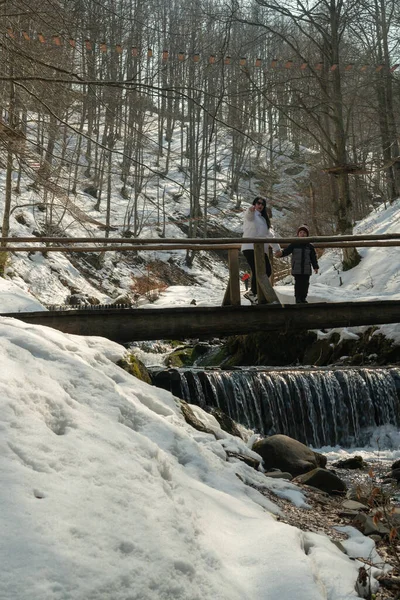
249, 460
396, 465
191, 418
285, 453
225, 422
323, 480
355, 462
339, 545
348, 514
91, 190
180, 357
395, 474
81, 299
391, 515
123, 299
354, 505
354, 493
375, 537
367, 526
135, 367
279, 475
389, 480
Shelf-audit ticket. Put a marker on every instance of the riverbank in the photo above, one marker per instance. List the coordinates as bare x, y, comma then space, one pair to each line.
328, 513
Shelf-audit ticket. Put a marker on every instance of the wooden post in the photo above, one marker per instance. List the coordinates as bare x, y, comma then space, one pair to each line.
271, 262
234, 276
232, 292
259, 260
226, 301
265, 291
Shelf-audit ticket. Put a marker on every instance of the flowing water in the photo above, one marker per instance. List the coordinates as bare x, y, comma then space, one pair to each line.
319, 407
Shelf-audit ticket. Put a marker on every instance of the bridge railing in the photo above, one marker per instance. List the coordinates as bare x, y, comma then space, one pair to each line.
232, 245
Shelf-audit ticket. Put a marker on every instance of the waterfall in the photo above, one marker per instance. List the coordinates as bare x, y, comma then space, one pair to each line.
319, 407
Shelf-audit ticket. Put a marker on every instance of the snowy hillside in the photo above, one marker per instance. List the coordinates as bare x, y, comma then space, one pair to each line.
164, 210
108, 493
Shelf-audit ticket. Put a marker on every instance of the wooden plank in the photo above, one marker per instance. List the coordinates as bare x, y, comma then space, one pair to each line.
180, 246
226, 301
268, 291
128, 325
265, 291
123, 240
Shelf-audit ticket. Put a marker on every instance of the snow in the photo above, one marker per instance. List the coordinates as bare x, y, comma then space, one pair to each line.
108, 493
13, 298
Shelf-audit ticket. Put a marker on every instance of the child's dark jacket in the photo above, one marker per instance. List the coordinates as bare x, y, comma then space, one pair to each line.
304, 258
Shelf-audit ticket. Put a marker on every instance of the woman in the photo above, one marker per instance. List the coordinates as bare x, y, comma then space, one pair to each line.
257, 224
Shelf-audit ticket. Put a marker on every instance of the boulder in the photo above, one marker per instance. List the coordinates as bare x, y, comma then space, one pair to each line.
284, 453
395, 474
324, 480
355, 462
135, 367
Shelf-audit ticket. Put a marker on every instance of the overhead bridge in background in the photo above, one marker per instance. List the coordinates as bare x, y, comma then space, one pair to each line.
125, 325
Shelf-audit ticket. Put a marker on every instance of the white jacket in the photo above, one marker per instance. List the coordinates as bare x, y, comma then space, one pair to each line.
254, 225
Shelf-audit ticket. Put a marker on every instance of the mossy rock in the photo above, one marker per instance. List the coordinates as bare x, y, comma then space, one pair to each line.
269, 348
183, 357
369, 348
213, 358
304, 348
135, 367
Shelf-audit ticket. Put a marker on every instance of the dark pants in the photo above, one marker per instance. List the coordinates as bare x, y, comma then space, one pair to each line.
249, 256
301, 285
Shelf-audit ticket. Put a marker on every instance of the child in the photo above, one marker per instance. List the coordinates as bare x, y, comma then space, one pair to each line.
304, 259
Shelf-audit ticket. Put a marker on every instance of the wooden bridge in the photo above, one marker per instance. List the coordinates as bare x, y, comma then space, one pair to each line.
133, 324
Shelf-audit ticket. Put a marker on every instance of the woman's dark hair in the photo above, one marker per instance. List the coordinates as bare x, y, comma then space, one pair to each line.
264, 210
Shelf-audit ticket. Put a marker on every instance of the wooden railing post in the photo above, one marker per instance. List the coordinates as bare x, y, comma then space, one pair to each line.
265, 291
271, 262
234, 276
232, 293
259, 260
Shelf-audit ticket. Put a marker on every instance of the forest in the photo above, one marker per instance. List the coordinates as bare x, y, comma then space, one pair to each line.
94, 95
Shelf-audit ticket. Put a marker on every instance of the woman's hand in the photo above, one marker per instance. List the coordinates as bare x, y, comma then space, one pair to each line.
252, 208
278, 254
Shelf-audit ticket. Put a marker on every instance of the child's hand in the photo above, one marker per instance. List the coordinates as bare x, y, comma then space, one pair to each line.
278, 253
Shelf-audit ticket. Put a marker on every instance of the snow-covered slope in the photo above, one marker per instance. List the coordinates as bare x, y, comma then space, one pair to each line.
107, 493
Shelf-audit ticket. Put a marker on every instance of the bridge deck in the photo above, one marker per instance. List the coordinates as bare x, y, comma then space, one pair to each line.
135, 324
